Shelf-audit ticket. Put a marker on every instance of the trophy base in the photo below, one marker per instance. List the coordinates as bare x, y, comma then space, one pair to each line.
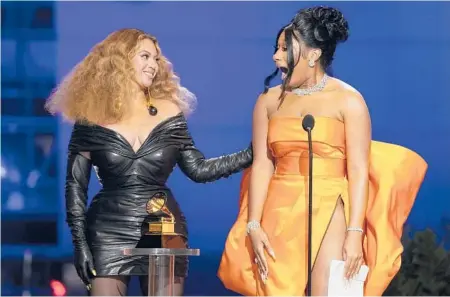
161, 228
173, 241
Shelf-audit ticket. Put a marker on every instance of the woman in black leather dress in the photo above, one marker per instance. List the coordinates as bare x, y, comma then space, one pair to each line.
129, 113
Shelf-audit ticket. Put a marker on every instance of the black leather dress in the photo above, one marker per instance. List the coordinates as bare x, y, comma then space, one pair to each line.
134, 201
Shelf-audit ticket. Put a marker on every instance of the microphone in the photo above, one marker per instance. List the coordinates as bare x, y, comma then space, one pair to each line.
308, 124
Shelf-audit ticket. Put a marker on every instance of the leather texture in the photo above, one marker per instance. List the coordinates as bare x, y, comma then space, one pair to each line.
84, 264
117, 214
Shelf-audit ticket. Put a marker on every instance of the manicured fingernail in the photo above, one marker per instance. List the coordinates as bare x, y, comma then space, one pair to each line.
264, 279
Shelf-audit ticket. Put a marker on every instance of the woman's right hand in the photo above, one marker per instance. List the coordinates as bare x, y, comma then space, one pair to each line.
260, 242
84, 265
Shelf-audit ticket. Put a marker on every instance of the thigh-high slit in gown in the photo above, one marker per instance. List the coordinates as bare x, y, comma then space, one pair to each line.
133, 183
396, 174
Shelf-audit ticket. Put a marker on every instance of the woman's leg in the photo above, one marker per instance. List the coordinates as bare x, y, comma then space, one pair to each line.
109, 286
330, 249
178, 288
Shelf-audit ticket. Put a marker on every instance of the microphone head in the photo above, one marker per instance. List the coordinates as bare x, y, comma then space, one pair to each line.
308, 122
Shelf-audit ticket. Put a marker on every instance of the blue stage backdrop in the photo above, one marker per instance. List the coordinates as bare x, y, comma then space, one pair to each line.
397, 56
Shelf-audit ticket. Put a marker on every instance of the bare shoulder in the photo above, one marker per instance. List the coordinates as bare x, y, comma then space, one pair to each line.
169, 107
350, 99
270, 99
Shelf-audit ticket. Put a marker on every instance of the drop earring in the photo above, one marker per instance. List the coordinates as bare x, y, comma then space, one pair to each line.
117, 105
152, 110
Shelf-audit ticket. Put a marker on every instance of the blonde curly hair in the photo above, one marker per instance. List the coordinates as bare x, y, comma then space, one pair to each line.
97, 89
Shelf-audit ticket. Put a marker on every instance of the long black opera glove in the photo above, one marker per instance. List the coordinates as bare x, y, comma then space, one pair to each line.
77, 181
201, 170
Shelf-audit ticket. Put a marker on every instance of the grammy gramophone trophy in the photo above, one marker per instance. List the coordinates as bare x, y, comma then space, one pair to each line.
163, 241
160, 221
159, 226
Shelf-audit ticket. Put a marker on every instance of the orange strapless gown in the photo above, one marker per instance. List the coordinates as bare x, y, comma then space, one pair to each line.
396, 174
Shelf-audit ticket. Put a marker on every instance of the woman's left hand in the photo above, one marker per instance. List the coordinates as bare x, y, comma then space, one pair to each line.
353, 254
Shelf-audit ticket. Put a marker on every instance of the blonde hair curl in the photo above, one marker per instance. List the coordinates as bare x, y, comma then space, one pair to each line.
97, 89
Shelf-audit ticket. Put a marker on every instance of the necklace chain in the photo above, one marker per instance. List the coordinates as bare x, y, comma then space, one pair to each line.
317, 88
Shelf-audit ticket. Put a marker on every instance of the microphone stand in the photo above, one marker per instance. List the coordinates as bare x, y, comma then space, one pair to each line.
310, 171
308, 125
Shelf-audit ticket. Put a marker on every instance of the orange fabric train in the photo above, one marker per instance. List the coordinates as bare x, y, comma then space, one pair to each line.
396, 174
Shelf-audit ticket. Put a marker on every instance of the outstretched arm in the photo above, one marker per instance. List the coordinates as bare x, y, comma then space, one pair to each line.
201, 170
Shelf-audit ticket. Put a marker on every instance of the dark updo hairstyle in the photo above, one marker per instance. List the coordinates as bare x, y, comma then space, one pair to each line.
318, 27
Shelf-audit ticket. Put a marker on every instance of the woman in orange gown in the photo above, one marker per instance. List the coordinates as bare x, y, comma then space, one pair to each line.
363, 190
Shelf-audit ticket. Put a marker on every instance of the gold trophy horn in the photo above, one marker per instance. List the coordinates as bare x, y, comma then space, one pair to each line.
165, 225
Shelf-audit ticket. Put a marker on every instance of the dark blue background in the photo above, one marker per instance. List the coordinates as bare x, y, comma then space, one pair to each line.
397, 56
